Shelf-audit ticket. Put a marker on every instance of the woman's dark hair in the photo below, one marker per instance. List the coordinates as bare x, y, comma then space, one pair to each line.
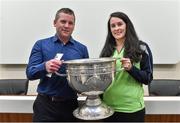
131, 45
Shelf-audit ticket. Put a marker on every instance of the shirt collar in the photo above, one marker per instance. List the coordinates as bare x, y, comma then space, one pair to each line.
56, 39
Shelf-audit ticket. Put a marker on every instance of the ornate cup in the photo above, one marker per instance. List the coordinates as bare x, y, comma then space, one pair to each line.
91, 77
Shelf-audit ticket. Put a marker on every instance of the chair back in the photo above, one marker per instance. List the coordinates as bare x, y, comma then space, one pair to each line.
164, 87
13, 86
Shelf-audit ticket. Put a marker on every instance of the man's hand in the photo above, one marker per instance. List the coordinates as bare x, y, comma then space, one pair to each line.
53, 65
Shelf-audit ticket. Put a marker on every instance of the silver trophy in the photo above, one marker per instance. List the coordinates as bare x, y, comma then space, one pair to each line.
90, 77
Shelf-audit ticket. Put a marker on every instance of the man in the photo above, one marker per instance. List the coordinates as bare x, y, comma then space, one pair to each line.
55, 100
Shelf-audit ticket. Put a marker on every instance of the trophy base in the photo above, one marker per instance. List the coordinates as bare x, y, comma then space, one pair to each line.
91, 113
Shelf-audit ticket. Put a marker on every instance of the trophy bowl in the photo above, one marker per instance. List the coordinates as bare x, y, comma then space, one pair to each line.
90, 77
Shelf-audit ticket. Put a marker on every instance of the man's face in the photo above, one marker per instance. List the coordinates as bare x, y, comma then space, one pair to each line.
64, 25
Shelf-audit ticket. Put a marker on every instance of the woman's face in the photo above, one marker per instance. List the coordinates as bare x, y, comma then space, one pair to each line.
118, 28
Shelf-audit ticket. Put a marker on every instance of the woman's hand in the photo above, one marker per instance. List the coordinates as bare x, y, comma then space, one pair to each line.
126, 63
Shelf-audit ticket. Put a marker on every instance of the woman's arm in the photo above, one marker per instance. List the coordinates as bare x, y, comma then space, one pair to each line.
145, 73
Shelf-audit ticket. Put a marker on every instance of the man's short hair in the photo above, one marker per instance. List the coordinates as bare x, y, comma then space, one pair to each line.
64, 10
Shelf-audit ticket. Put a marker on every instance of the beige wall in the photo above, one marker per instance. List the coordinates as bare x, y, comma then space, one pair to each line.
18, 72
12, 71
167, 71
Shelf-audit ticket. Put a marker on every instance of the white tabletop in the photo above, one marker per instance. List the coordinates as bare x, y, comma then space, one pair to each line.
154, 105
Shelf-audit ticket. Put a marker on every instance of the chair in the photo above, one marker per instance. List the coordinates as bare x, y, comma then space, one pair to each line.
14, 86
164, 87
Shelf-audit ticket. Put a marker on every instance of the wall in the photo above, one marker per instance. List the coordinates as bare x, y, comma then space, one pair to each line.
156, 22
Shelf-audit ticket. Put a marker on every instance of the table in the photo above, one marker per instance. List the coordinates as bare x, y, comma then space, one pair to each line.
19, 108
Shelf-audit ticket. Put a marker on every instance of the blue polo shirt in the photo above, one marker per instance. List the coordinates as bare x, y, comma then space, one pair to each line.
46, 49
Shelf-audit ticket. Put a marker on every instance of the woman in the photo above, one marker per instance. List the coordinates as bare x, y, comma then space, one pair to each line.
125, 94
